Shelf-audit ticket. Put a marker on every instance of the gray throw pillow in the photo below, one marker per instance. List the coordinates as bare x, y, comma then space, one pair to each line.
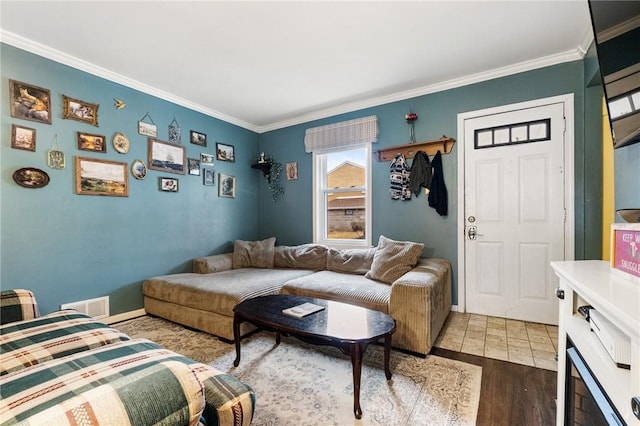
253, 254
350, 261
393, 259
304, 256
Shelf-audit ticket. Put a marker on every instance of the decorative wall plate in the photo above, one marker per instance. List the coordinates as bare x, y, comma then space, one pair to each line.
30, 177
138, 169
121, 143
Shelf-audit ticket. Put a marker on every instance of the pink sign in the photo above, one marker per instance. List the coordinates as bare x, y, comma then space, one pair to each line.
627, 251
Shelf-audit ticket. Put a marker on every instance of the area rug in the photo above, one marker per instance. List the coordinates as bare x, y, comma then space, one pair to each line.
301, 384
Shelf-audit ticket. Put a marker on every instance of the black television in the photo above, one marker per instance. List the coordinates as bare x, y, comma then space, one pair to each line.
616, 28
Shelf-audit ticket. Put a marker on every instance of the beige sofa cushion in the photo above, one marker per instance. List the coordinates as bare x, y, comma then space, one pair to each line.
253, 254
393, 259
347, 288
350, 261
305, 256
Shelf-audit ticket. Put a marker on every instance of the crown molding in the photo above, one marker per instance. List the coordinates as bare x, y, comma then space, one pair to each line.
63, 58
619, 29
66, 59
568, 56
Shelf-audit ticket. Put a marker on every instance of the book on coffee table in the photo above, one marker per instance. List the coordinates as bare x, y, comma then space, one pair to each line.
302, 310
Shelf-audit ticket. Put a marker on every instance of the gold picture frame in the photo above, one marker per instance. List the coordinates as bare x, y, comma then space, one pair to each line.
90, 142
75, 109
101, 177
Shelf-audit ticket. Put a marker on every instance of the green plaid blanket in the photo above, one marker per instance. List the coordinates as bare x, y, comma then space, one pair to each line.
53, 336
134, 382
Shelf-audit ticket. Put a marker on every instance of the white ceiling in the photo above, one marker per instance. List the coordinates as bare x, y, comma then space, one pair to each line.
266, 65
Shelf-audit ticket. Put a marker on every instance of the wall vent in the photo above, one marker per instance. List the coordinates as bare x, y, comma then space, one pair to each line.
97, 308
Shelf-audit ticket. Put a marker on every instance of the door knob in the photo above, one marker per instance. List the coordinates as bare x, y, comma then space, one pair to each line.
559, 293
472, 232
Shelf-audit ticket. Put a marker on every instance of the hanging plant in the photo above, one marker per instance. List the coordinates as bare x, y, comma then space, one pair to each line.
273, 178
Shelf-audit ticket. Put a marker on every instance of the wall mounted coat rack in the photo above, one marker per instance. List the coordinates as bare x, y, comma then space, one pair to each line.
431, 147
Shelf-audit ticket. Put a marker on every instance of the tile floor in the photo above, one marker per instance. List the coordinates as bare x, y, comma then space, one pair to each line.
499, 338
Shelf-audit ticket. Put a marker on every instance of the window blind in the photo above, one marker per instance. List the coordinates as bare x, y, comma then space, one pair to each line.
342, 134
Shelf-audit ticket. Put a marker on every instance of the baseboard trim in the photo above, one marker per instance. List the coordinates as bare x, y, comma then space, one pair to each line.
125, 316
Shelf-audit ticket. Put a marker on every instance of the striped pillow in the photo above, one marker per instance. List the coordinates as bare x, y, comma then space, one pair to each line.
393, 259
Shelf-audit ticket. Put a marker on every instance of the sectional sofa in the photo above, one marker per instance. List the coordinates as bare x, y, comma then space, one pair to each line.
391, 278
66, 368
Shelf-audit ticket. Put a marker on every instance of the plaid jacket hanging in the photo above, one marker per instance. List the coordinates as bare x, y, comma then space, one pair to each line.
399, 176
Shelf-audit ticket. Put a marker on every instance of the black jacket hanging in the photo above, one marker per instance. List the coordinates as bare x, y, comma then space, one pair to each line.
421, 173
438, 189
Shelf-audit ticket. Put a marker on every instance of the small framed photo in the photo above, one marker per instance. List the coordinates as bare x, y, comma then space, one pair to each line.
198, 138
139, 169
30, 102
168, 184
292, 170
206, 159
147, 129
225, 152
226, 186
166, 157
194, 166
78, 110
89, 142
208, 177
101, 177
23, 138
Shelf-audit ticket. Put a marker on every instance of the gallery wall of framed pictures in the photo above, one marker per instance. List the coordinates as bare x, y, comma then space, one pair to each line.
110, 177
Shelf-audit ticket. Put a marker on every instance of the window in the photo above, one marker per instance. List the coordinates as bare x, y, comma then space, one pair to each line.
342, 203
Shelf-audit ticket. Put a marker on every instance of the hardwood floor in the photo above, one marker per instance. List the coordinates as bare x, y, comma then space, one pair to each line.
511, 394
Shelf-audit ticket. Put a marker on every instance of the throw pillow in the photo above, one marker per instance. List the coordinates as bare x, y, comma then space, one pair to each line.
253, 254
350, 261
304, 256
393, 259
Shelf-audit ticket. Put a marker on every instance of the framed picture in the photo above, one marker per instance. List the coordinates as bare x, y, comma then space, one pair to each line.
198, 138
175, 134
30, 102
292, 170
23, 138
138, 169
226, 186
147, 129
101, 177
225, 152
78, 110
89, 142
206, 159
194, 166
166, 157
168, 184
209, 177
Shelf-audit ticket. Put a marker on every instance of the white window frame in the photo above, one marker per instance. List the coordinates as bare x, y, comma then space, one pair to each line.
319, 199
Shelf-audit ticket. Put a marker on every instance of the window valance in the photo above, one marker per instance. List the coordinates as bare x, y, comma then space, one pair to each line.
342, 134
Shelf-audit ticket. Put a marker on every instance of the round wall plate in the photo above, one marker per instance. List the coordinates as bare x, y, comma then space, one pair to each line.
30, 177
121, 143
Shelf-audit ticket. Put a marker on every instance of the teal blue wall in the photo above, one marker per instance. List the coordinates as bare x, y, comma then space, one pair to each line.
290, 219
69, 247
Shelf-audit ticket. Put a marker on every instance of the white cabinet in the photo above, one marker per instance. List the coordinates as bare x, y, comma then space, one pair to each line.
616, 296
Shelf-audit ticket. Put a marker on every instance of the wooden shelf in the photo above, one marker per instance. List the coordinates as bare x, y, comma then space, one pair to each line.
444, 145
265, 168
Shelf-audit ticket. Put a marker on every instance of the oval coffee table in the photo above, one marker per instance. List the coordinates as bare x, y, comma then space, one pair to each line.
347, 327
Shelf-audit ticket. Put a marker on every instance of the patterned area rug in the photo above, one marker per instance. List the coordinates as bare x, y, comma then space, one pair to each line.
302, 384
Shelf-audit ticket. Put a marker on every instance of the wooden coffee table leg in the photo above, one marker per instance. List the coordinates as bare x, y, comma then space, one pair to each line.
236, 337
387, 356
356, 364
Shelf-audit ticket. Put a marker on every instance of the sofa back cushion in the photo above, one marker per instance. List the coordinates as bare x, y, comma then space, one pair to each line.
350, 261
393, 259
253, 254
304, 256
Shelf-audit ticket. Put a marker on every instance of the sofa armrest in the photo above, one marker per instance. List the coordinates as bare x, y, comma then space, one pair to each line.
420, 303
214, 263
17, 305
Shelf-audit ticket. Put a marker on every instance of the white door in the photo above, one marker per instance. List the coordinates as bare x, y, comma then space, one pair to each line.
514, 211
